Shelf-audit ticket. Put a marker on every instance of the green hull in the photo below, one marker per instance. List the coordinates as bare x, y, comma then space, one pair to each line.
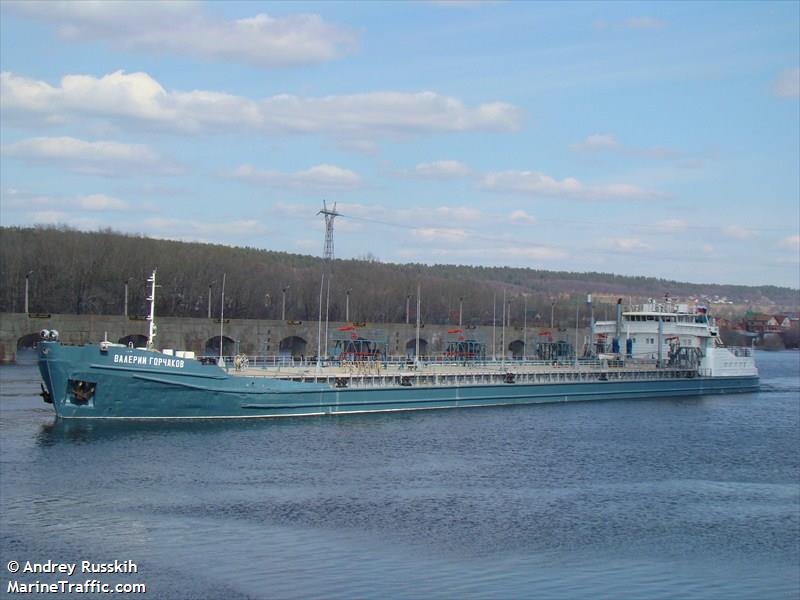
87, 382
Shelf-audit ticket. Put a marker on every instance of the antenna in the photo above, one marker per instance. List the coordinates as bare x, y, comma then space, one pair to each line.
221, 360
329, 215
152, 316
416, 348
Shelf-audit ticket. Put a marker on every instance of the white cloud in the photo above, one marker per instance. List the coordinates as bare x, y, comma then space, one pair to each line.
101, 202
64, 212
432, 217
135, 100
628, 245
463, 214
672, 225
49, 208
460, 3
441, 169
788, 84
15, 199
293, 210
96, 158
738, 232
486, 255
520, 217
607, 143
654, 152
187, 29
48, 217
320, 177
692, 163
633, 23
440, 234
538, 184
597, 142
791, 243
644, 23
360, 146
54, 217
192, 229
536, 252
307, 245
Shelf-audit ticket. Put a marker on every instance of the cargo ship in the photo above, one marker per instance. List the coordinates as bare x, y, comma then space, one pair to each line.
657, 350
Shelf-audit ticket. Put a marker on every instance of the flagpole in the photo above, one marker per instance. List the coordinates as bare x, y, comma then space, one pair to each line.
221, 361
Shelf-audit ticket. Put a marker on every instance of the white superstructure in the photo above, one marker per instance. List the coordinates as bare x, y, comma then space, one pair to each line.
672, 333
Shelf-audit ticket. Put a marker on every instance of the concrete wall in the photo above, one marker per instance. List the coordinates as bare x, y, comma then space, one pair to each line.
256, 337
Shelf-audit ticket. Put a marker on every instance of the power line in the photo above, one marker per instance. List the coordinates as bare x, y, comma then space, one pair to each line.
571, 248
665, 228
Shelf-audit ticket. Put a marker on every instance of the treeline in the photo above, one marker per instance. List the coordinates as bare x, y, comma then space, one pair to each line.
85, 273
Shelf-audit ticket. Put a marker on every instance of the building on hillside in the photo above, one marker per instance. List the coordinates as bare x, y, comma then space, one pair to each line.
785, 322
761, 324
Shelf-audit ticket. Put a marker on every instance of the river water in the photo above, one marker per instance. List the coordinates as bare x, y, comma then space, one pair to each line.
684, 498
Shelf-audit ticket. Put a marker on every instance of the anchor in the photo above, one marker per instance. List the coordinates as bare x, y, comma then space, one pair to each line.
83, 391
45, 394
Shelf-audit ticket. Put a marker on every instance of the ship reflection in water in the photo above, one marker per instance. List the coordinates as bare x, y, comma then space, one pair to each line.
86, 431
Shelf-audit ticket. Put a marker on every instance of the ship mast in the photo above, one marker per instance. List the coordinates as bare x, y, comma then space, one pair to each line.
221, 360
152, 316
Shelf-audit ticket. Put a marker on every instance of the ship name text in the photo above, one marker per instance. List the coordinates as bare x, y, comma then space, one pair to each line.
152, 361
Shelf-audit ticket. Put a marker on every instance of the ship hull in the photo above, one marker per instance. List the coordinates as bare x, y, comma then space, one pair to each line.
125, 384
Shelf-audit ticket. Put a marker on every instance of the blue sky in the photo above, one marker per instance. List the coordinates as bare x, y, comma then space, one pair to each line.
656, 139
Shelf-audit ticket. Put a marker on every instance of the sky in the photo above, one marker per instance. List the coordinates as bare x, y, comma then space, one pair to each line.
649, 139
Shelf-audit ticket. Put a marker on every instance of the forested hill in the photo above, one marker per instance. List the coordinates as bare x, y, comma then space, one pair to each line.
82, 272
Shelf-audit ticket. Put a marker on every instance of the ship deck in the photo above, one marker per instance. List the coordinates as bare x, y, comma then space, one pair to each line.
382, 375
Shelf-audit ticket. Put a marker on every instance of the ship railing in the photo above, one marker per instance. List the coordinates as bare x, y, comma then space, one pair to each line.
273, 365
740, 351
434, 379
272, 361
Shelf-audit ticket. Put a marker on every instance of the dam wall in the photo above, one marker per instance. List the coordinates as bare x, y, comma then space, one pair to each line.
255, 337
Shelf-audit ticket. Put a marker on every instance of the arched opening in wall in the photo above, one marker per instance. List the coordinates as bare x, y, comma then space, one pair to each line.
138, 340
212, 346
292, 347
26, 349
411, 348
517, 349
